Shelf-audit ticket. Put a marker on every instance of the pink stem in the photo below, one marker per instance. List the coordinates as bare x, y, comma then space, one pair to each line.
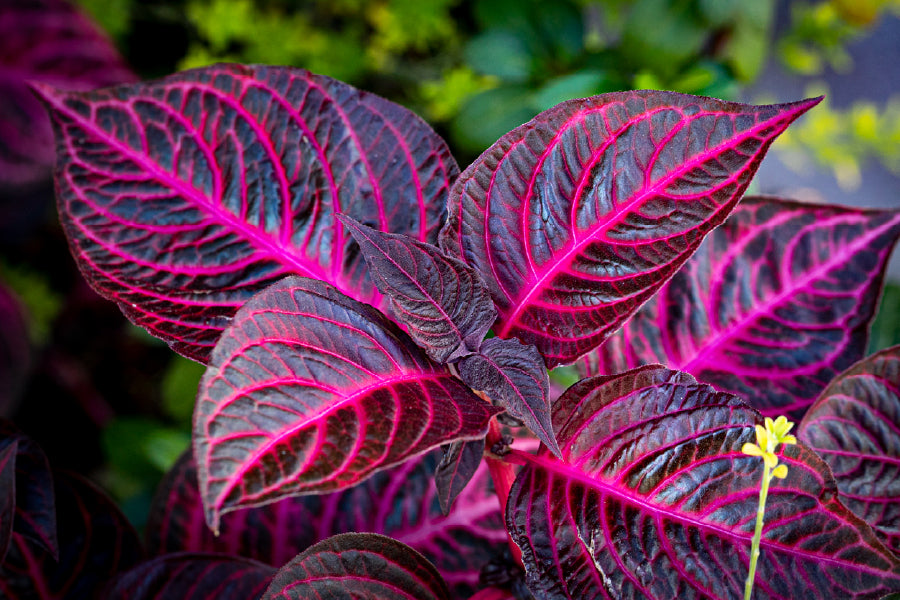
503, 475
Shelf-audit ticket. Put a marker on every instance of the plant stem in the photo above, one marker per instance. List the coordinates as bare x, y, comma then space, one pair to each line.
757, 532
503, 475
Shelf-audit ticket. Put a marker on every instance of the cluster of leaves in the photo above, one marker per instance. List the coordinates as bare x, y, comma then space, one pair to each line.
318, 249
281, 227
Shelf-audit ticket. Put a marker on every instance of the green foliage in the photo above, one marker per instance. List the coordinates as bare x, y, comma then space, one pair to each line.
842, 140
42, 304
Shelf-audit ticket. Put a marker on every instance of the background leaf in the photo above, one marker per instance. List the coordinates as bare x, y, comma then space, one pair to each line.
774, 305
358, 565
855, 427
577, 217
95, 542
654, 499
310, 391
188, 576
400, 502
183, 196
53, 42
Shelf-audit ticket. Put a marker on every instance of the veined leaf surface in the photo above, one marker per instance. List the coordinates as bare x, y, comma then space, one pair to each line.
653, 499
184, 196
310, 391
358, 565
400, 502
855, 427
577, 217
773, 305
440, 299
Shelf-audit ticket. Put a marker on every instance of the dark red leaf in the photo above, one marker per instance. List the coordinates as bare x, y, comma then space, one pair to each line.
184, 196
310, 391
189, 576
653, 499
772, 307
53, 42
513, 375
458, 465
358, 565
577, 217
400, 502
34, 504
441, 300
95, 542
855, 427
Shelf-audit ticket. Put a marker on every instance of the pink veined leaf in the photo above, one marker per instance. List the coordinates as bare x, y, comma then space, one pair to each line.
53, 42
310, 391
512, 374
577, 217
96, 542
400, 502
855, 427
30, 493
653, 499
182, 197
358, 565
193, 576
441, 300
772, 307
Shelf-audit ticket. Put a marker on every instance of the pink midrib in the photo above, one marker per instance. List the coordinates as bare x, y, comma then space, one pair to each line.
278, 252
571, 474
563, 261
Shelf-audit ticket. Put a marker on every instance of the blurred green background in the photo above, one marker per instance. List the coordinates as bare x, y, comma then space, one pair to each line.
474, 69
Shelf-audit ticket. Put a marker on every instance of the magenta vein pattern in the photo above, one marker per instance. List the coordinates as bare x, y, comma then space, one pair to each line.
654, 499
184, 196
576, 218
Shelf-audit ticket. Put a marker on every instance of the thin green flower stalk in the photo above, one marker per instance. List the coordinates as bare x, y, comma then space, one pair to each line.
767, 440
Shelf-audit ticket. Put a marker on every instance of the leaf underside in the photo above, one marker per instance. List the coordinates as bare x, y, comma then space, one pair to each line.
400, 502
358, 565
458, 465
654, 499
577, 217
773, 305
182, 197
855, 427
310, 391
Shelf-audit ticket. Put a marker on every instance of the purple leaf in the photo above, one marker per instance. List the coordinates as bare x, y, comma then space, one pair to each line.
188, 576
7, 495
512, 374
441, 300
53, 42
184, 196
773, 306
95, 542
456, 469
34, 504
358, 565
15, 350
855, 427
577, 217
310, 391
654, 499
400, 502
